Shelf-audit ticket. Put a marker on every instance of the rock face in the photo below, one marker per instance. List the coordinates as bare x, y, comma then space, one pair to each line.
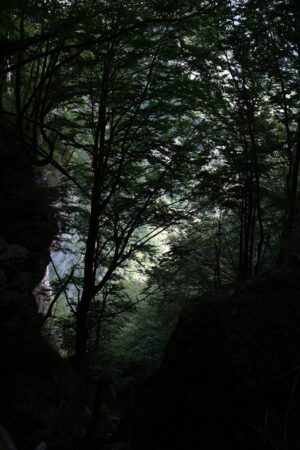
230, 377
5, 441
42, 397
13, 280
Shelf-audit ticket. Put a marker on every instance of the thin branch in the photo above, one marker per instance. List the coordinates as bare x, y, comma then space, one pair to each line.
104, 39
61, 290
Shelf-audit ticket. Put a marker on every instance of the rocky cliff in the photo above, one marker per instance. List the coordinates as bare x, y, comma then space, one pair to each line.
42, 397
230, 375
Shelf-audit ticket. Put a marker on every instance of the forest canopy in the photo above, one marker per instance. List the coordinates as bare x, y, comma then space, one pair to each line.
172, 130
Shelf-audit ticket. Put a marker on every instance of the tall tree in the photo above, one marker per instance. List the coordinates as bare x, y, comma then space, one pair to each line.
240, 129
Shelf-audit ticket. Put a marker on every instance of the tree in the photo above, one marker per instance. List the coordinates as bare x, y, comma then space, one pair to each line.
134, 111
241, 130
126, 101
121, 90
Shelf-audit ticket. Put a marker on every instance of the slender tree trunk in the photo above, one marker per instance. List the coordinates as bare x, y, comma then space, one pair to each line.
218, 249
90, 263
88, 284
241, 249
290, 244
18, 87
251, 246
247, 233
100, 319
96, 414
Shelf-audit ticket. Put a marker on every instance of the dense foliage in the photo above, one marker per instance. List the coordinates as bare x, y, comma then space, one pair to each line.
178, 119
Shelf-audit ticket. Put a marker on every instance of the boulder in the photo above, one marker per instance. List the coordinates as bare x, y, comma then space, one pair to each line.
5, 441
230, 377
12, 256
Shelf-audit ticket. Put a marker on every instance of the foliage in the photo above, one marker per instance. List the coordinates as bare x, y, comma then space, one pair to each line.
186, 121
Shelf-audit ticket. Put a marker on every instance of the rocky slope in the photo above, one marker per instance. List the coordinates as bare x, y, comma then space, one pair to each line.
230, 378
42, 397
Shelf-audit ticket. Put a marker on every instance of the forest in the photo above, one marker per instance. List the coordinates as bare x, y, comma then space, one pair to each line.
149, 198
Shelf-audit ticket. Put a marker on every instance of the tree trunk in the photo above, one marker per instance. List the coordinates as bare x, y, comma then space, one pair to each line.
290, 244
88, 285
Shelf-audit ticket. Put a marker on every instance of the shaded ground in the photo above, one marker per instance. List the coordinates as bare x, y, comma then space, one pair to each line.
230, 375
